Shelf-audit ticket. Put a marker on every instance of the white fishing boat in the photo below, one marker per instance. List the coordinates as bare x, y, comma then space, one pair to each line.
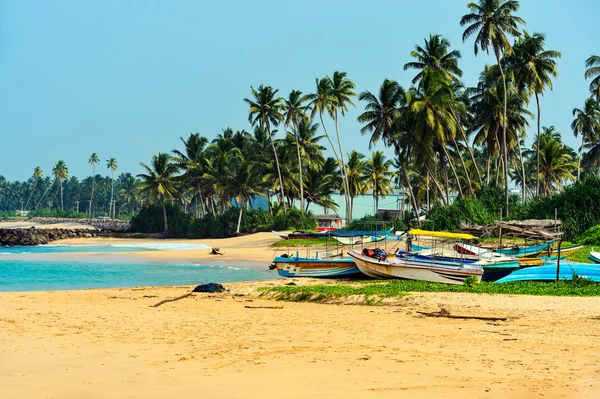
595, 256
412, 268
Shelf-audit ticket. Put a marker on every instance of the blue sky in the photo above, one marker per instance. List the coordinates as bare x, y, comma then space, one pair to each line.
126, 79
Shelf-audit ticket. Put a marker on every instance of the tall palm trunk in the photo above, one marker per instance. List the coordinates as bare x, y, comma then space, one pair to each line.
464, 137
32, 191
337, 158
278, 167
412, 196
43, 195
112, 191
61, 196
299, 166
489, 162
462, 161
92, 196
524, 185
344, 174
164, 213
241, 204
504, 143
438, 186
580, 155
537, 152
454, 172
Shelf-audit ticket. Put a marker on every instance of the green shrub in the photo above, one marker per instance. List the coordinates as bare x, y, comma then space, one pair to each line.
57, 213
590, 237
151, 220
295, 219
387, 222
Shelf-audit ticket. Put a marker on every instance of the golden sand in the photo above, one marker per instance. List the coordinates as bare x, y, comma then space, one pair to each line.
111, 343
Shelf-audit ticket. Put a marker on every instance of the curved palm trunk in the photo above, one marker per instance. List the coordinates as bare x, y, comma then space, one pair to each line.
489, 163
335, 153
466, 140
43, 195
438, 186
241, 204
32, 191
344, 174
300, 167
278, 167
504, 143
537, 152
164, 213
524, 185
412, 196
580, 155
112, 190
92, 196
61, 196
462, 161
455, 174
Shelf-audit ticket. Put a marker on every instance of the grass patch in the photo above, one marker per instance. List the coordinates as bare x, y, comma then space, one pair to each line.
304, 242
581, 256
398, 288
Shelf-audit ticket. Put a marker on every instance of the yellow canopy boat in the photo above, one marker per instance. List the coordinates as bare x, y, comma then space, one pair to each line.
441, 234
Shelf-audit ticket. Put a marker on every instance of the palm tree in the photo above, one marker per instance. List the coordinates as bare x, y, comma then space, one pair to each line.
192, 161
265, 109
243, 186
295, 113
60, 172
533, 68
556, 162
342, 90
492, 20
94, 159
113, 165
378, 176
435, 56
586, 123
158, 181
593, 72
37, 175
128, 191
355, 170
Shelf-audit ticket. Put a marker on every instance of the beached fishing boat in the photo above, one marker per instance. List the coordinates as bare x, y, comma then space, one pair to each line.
520, 251
547, 272
565, 251
530, 261
595, 256
297, 266
353, 237
411, 268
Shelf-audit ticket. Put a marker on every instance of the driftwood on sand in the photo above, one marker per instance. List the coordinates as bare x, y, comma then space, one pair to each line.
444, 313
171, 300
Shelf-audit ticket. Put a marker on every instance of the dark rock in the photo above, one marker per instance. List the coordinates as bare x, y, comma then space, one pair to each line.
210, 287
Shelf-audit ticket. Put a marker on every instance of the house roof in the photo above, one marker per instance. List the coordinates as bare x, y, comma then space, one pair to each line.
333, 216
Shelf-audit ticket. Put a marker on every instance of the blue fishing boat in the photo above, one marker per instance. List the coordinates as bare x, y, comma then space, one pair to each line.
297, 266
548, 272
521, 251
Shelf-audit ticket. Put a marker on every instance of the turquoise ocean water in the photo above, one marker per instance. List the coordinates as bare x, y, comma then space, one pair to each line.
43, 268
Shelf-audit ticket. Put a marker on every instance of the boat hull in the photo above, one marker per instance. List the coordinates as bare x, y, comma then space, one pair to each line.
302, 267
594, 256
548, 272
409, 269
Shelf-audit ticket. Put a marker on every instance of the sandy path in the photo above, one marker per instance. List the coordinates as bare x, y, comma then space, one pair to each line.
99, 343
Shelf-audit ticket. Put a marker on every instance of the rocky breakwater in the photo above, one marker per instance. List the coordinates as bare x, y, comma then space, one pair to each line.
100, 224
33, 236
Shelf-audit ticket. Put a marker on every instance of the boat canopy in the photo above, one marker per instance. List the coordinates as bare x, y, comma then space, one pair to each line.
344, 233
442, 234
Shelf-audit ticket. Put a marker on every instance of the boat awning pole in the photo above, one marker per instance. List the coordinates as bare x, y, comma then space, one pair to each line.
558, 259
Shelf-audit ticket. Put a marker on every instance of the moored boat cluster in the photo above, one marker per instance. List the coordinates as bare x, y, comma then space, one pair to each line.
447, 259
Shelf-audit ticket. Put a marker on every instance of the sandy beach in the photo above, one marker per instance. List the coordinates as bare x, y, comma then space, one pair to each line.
110, 343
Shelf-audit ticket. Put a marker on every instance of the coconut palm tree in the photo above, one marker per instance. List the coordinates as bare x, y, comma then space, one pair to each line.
378, 176
593, 72
94, 159
243, 185
191, 160
556, 162
355, 170
491, 21
533, 68
586, 123
308, 141
128, 192
159, 181
37, 175
321, 182
265, 110
435, 56
113, 165
60, 173
294, 114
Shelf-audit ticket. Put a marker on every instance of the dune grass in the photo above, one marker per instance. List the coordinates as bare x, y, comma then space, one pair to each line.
398, 288
304, 242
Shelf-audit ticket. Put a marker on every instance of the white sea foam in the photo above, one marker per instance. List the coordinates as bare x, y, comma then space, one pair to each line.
149, 246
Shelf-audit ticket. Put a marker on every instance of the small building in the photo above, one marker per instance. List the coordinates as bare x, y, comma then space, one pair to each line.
392, 213
327, 222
